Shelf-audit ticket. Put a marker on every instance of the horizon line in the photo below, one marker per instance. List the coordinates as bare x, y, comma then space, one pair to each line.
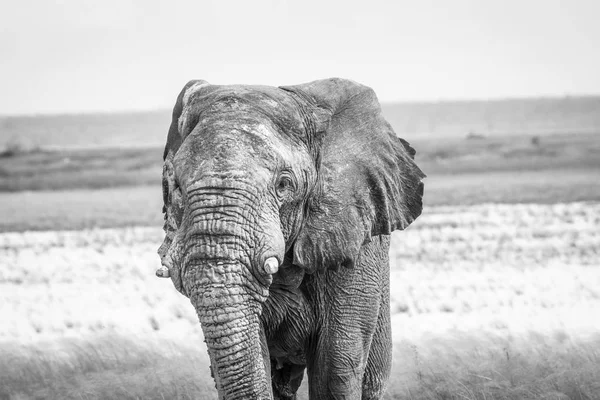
383, 103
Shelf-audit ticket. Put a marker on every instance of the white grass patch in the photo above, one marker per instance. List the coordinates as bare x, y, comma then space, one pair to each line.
489, 301
498, 267
492, 267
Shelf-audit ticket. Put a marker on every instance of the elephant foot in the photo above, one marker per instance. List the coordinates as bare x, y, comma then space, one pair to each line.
163, 272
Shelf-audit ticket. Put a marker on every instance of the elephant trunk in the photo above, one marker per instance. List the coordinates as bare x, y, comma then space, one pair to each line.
231, 326
221, 279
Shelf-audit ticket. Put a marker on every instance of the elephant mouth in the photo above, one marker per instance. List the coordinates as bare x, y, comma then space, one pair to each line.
288, 257
289, 274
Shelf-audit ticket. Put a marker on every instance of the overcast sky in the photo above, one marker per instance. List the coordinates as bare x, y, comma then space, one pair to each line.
111, 55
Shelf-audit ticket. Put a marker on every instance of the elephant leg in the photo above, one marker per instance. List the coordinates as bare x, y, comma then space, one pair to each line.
286, 380
355, 320
336, 367
379, 363
339, 353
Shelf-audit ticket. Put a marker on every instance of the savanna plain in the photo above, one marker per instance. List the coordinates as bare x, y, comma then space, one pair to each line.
495, 289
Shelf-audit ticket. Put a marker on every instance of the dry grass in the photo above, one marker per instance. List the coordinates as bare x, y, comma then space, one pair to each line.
441, 158
489, 302
104, 367
141, 205
460, 155
115, 188
81, 209
477, 367
37, 169
457, 366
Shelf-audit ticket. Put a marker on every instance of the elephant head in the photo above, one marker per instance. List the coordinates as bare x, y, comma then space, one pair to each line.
258, 178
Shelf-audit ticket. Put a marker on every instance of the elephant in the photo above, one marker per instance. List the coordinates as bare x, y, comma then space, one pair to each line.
279, 203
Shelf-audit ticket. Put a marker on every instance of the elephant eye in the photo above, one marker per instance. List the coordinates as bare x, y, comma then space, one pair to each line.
285, 184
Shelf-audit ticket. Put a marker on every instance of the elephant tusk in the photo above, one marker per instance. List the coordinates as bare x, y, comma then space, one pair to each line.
271, 265
163, 272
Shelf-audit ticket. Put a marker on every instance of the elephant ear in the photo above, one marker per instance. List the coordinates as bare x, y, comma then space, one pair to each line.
180, 119
368, 183
186, 114
184, 117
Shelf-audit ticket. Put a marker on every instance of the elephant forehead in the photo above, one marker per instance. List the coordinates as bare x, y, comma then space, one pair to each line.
262, 134
240, 148
243, 137
260, 101
271, 143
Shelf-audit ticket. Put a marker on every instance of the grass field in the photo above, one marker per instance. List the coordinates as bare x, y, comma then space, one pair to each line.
488, 302
495, 289
71, 189
125, 167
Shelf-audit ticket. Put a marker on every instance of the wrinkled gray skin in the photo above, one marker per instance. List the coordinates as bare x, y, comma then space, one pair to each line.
314, 180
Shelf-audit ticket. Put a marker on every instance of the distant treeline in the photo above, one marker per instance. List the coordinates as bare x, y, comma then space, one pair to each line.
445, 118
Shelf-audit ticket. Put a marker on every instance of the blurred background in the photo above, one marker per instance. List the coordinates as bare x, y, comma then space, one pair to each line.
495, 288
